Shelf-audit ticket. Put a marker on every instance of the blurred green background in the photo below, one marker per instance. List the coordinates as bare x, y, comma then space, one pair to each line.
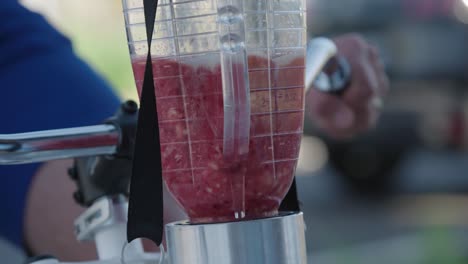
97, 30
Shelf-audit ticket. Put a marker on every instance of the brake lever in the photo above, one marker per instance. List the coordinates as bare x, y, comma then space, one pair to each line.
326, 71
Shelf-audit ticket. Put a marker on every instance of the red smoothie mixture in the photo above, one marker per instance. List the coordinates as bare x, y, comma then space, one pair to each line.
190, 111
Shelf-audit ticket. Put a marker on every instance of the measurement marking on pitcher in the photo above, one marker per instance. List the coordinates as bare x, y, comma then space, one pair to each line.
272, 141
183, 88
205, 168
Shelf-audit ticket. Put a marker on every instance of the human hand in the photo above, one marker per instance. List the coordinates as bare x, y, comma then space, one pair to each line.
358, 108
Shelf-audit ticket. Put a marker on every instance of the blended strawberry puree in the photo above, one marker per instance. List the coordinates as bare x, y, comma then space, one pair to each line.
190, 112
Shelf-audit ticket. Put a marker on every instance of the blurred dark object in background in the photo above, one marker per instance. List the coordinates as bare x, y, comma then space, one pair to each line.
368, 163
424, 46
398, 194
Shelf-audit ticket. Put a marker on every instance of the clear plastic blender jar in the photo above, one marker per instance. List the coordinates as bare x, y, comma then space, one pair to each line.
229, 80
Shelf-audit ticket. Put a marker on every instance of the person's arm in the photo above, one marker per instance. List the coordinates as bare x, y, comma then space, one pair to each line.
44, 86
49, 214
53, 233
47, 87
358, 109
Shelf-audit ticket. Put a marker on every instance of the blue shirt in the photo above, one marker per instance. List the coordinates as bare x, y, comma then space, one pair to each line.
43, 85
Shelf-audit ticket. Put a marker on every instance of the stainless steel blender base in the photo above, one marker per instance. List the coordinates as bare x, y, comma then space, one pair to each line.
276, 240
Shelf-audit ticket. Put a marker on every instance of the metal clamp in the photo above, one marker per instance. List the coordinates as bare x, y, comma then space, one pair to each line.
325, 70
336, 79
105, 222
103, 213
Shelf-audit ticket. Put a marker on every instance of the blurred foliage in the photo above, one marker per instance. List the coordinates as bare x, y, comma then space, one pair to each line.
441, 245
97, 30
108, 59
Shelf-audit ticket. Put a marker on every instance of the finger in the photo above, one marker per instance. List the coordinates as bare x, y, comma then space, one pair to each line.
373, 52
350, 43
379, 68
368, 109
383, 81
365, 101
338, 134
366, 118
329, 112
363, 84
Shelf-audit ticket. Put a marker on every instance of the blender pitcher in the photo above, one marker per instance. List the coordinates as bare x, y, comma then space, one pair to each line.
229, 85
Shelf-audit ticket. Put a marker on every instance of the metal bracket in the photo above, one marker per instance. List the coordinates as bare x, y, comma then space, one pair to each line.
103, 213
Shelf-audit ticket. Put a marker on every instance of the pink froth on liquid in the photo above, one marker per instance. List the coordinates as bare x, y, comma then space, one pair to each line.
190, 112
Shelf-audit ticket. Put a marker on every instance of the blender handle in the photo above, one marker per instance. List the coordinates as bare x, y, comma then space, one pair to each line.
325, 70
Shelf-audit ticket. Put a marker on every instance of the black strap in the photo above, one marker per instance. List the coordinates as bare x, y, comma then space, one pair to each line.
291, 201
145, 212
